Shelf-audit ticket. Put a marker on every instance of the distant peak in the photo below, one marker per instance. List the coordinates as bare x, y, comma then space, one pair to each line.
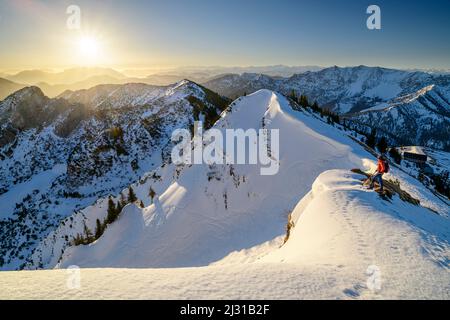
184, 83
413, 96
30, 91
263, 92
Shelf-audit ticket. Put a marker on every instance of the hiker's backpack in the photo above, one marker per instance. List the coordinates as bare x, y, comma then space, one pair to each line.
386, 166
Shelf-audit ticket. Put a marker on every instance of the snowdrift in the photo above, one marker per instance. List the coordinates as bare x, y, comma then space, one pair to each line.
351, 228
346, 244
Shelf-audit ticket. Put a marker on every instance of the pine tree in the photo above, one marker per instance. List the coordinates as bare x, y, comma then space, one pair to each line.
78, 240
88, 234
123, 202
315, 106
293, 95
336, 118
303, 101
395, 155
151, 193
98, 229
442, 183
141, 204
371, 140
382, 145
119, 207
131, 195
112, 211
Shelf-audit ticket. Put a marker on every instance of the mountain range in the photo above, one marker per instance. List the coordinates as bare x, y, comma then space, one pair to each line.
86, 179
59, 155
368, 98
54, 83
7, 87
68, 76
310, 231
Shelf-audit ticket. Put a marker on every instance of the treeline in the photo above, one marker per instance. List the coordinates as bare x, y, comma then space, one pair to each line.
442, 183
303, 101
113, 213
381, 144
371, 139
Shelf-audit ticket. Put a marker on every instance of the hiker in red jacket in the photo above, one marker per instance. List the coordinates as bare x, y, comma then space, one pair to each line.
382, 168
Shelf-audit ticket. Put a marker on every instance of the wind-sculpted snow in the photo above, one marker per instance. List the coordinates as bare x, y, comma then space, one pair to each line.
346, 243
341, 224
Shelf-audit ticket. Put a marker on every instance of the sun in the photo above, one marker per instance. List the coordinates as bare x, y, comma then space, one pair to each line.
88, 46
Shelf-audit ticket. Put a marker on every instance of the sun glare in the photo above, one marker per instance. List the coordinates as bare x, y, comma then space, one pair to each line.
88, 46
89, 50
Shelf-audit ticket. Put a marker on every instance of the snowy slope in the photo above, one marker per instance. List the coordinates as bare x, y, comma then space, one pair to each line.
60, 155
229, 229
196, 221
342, 235
341, 224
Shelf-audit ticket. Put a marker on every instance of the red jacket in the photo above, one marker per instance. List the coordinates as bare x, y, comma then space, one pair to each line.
381, 167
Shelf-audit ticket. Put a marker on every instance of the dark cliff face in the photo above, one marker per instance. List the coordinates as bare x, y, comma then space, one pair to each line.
29, 108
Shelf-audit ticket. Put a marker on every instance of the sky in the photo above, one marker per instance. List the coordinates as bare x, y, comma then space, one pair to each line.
171, 33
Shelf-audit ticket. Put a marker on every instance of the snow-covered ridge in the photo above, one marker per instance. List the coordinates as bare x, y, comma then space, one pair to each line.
413, 96
128, 95
203, 214
104, 138
419, 118
351, 228
336, 198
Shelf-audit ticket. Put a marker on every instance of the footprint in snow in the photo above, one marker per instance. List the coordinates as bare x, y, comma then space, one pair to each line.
351, 293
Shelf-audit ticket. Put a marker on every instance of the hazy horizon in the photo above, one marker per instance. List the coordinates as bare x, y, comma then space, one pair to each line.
161, 35
126, 71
